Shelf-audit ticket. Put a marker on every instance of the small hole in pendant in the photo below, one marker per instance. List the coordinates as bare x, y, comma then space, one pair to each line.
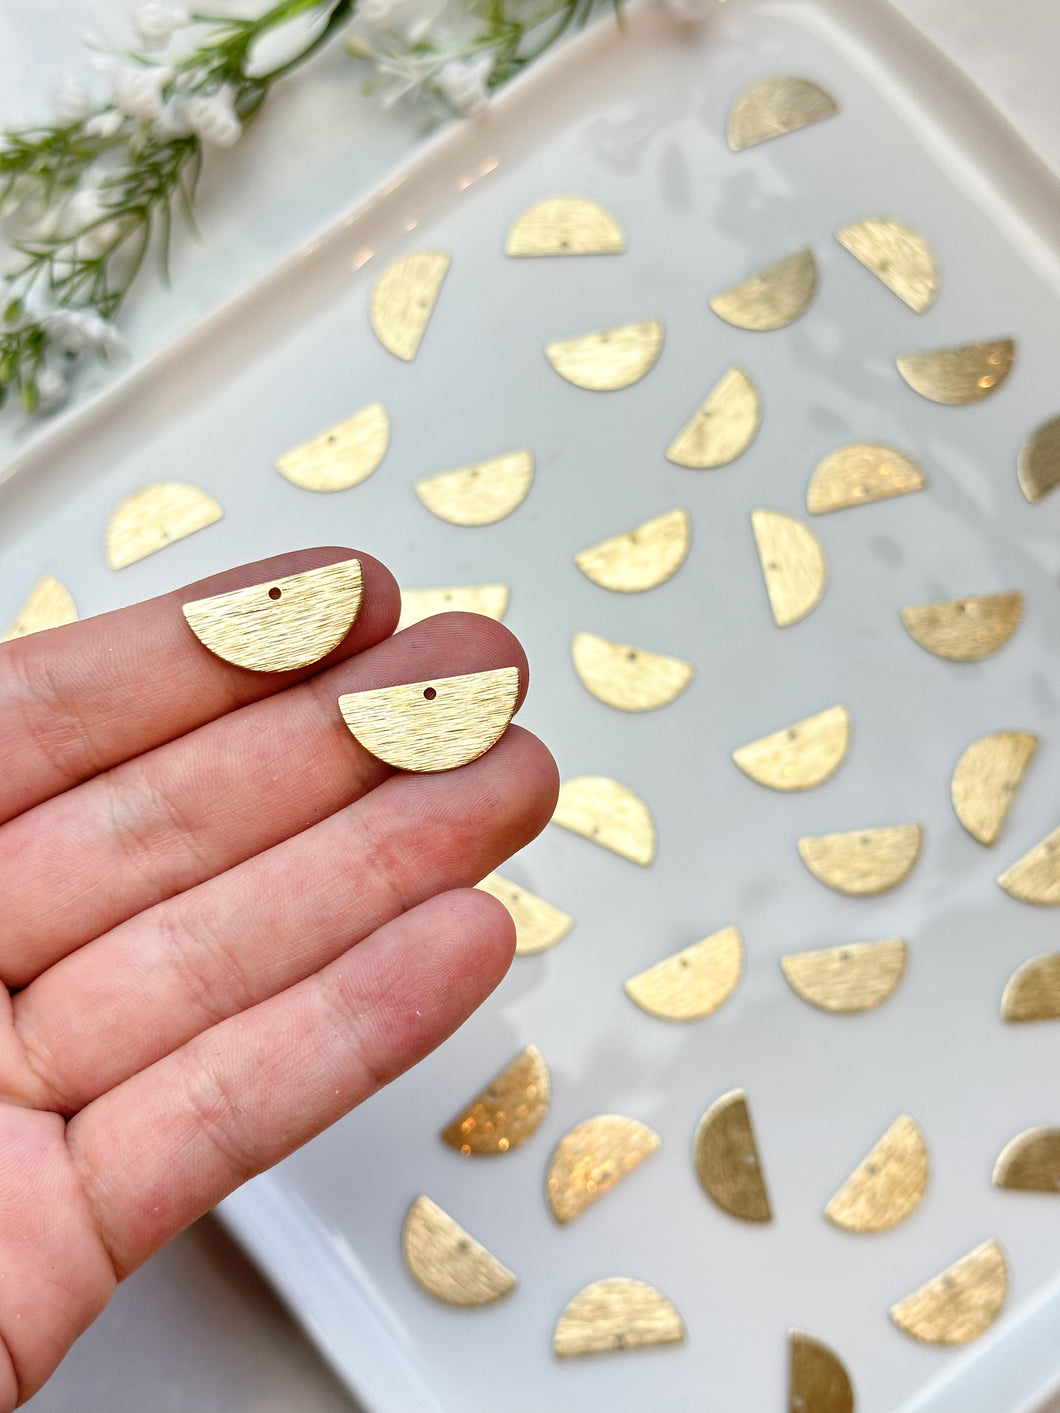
429, 694
274, 592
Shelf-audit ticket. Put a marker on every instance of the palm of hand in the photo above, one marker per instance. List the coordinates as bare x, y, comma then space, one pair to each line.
188, 855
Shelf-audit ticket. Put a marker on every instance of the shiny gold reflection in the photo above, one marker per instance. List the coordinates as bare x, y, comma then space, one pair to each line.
609, 814
506, 1112
435, 725
817, 1380
860, 474
538, 925
629, 678
692, 982
594, 1156
154, 517
955, 376
1035, 878
964, 630
403, 300
50, 605
1038, 467
887, 1185
342, 456
863, 861
899, 257
607, 361
961, 1303
490, 600
986, 778
565, 225
773, 298
613, 1314
722, 427
855, 977
448, 1262
800, 756
283, 623
727, 1160
642, 558
1033, 990
774, 107
1031, 1162
479, 494
792, 565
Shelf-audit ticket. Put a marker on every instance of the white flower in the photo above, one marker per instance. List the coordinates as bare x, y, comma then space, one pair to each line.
155, 22
71, 101
52, 390
213, 117
689, 12
104, 124
85, 217
173, 122
83, 331
462, 83
378, 13
138, 90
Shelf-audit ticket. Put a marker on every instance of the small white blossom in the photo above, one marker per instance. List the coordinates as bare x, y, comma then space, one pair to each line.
172, 122
85, 217
71, 101
52, 390
83, 331
156, 21
462, 83
138, 90
214, 117
104, 124
378, 13
404, 76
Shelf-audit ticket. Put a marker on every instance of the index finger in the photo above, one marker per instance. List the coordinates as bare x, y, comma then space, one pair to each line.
76, 700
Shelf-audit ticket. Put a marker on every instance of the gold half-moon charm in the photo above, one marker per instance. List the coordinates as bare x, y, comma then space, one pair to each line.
1038, 467
341, 456
594, 1156
727, 1160
1033, 990
964, 630
860, 474
447, 1261
899, 257
792, 565
403, 300
959, 1304
538, 925
436, 725
856, 977
283, 623
50, 605
773, 298
613, 1314
642, 558
609, 814
609, 360
985, 780
774, 107
490, 600
154, 517
956, 376
506, 1112
887, 1185
1035, 878
479, 494
861, 862
629, 678
1031, 1162
565, 225
817, 1379
800, 756
722, 427
693, 982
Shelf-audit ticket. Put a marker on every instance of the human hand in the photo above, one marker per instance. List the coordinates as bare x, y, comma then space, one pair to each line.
225, 924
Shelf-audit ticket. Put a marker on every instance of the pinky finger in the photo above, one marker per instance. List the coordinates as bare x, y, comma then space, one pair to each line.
166, 1145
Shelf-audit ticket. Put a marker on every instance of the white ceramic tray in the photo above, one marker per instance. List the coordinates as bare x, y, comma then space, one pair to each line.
637, 121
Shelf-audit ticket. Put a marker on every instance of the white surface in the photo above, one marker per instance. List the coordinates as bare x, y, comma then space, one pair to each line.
638, 123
